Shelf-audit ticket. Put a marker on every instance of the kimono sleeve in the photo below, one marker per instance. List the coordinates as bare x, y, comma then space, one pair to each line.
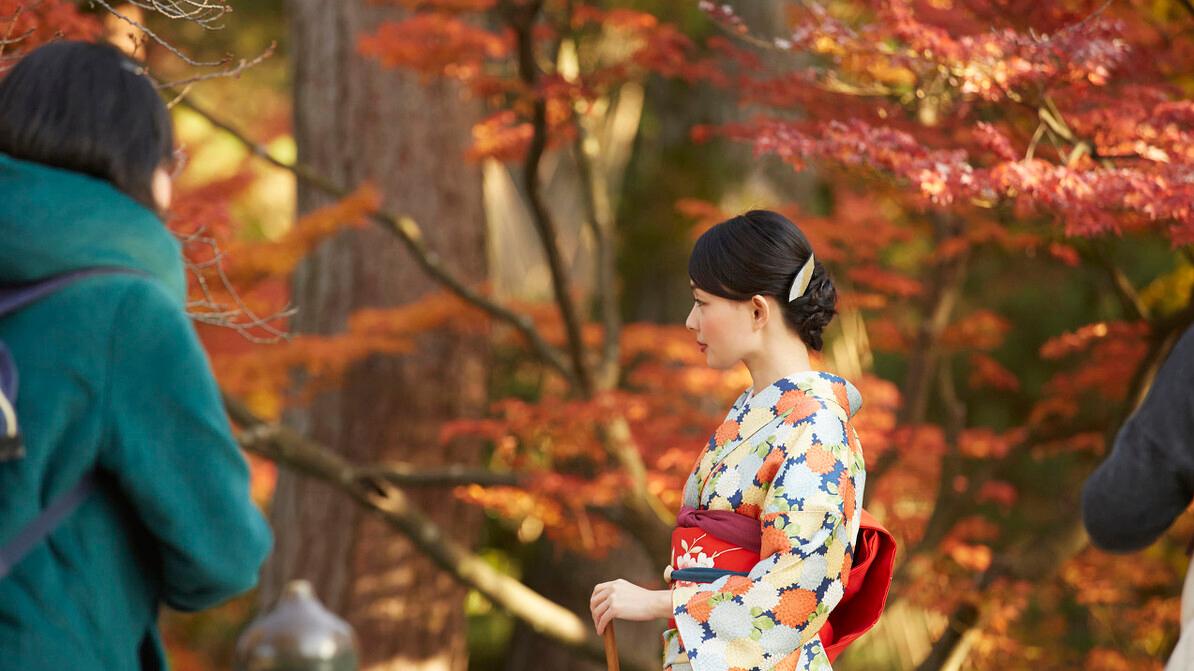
767, 618
171, 450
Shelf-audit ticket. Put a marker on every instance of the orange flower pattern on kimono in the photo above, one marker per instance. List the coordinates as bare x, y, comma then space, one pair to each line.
789, 457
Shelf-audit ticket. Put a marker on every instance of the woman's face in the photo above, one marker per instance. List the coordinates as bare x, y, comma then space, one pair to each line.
723, 328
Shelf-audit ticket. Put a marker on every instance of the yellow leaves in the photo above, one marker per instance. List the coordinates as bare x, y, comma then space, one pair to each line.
824, 44
1169, 293
894, 76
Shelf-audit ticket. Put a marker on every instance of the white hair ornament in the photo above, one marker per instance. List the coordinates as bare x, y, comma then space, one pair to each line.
803, 278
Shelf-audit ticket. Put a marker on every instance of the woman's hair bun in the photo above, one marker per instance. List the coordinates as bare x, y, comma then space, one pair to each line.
760, 253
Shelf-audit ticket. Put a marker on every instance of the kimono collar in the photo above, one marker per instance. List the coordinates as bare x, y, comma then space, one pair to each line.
792, 398
758, 409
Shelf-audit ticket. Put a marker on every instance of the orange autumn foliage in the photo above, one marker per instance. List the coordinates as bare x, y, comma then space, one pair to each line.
251, 262
434, 43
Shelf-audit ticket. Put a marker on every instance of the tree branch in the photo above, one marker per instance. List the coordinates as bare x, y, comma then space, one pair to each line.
1042, 557
409, 232
160, 40
599, 219
945, 509
1038, 559
652, 521
650, 518
202, 12
283, 445
521, 19
408, 475
947, 283
233, 71
1128, 296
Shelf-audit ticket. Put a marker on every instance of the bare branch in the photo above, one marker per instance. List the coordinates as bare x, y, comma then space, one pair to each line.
202, 12
238, 316
235, 71
409, 232
8, 38
160, 40
283, 445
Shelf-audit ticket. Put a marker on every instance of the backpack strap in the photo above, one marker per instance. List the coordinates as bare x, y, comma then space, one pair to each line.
12, 299
49, 519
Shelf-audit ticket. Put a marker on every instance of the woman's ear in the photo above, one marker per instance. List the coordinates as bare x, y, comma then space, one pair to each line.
162, 189
760, 312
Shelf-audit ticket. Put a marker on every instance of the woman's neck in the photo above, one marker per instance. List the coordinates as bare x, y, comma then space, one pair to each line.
782, 357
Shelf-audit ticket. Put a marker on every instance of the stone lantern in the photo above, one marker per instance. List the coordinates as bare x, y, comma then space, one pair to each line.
298, 634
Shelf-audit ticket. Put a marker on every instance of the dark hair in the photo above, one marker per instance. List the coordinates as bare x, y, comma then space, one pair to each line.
88, 108
759, 253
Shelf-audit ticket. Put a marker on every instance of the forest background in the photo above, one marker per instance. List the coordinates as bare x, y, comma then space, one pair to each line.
438, 254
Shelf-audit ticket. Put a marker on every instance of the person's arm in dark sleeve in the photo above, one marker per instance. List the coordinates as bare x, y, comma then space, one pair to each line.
1148, 480
173, 454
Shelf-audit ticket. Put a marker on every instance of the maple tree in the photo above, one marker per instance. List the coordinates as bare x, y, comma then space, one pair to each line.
1024, 140
1009, 222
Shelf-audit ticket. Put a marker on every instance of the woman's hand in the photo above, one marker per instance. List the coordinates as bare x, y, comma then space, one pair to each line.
626, 601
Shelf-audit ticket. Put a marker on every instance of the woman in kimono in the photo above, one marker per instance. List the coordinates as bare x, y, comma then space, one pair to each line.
765, 537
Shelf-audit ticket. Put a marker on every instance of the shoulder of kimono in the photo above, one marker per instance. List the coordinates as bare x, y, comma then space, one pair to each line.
827, 425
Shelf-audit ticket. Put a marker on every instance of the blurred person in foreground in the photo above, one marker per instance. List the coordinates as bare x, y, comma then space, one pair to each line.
113, 380
1137, 493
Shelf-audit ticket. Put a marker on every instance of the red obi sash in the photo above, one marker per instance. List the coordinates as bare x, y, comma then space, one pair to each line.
708, 544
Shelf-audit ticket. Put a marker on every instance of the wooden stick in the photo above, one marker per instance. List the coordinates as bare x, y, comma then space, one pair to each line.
611, 649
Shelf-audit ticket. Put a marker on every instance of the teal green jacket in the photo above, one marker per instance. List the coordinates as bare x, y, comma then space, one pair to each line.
112, 375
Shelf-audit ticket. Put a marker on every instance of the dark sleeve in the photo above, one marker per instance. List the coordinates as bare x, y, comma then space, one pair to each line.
1133, 496
173, 453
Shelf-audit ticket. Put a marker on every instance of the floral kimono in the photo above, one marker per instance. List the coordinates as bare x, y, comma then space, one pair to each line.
788, 457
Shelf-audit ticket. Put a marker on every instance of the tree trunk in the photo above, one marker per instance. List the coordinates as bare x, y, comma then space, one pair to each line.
359, 123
